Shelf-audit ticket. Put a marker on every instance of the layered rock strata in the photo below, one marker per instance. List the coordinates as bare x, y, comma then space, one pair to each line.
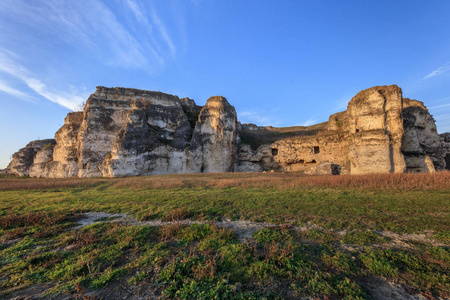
23, 159
380, 132
129, 132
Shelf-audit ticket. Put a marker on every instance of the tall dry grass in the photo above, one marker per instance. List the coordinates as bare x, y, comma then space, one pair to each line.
439, 180
47, 183
436, 181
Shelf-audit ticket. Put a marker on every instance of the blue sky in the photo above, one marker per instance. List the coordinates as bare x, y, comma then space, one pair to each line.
280, 63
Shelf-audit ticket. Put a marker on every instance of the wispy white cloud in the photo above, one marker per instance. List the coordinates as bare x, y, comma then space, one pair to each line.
439, 106
137, 10
163, 31
152, 45
309, 122
8, 89
92, 28
439, 71
10, 67
445, 100
443, 122
257, 118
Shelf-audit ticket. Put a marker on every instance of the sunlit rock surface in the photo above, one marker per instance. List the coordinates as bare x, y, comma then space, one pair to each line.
130, 132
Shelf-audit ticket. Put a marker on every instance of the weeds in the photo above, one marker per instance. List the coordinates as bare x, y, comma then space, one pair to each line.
40, 246
410, 181
364, 238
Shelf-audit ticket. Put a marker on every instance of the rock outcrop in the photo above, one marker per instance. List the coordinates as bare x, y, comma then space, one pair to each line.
23, 159
129, 132
445, 138
421, 145
132, 132
376, 130
126, 132
214, 138
380, 132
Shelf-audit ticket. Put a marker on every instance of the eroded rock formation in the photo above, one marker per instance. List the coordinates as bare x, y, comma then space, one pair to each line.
376, 130
422, 147
128, 132
23, 159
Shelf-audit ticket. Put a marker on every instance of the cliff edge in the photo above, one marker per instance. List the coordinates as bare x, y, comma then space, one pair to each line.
131, 132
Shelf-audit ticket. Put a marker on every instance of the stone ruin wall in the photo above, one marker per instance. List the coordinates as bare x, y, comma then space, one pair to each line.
129, 132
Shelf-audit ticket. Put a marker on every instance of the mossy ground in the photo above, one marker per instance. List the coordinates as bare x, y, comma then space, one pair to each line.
41, 249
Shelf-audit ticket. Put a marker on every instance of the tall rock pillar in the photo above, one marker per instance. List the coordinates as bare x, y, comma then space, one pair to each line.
376, 130
214, 139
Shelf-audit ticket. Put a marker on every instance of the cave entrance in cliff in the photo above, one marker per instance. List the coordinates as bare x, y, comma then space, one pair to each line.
316, 149
274, 151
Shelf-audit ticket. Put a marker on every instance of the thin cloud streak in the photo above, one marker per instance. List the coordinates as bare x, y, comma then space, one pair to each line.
92, 28
137, 11
8, 89
439, 106
443, 123
309, 122
163, 31
10, 67
439, 71
256, 117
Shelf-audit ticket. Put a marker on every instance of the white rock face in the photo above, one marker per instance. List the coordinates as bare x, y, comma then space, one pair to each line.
215, 136
129, 132
151, 139
376, 130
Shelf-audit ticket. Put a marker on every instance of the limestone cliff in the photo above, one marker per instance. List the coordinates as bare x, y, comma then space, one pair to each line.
128, 132
125, 132
25, 157
62, 159
376, 130
133, 132
380, 132
445, 138
421, 144
214, 138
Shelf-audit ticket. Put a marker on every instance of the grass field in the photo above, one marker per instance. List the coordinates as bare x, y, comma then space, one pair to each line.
333, 237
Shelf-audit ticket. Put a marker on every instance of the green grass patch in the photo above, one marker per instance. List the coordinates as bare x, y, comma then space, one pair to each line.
39, 245
364, 238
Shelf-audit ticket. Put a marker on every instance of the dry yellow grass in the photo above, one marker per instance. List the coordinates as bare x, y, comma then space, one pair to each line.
439, 180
